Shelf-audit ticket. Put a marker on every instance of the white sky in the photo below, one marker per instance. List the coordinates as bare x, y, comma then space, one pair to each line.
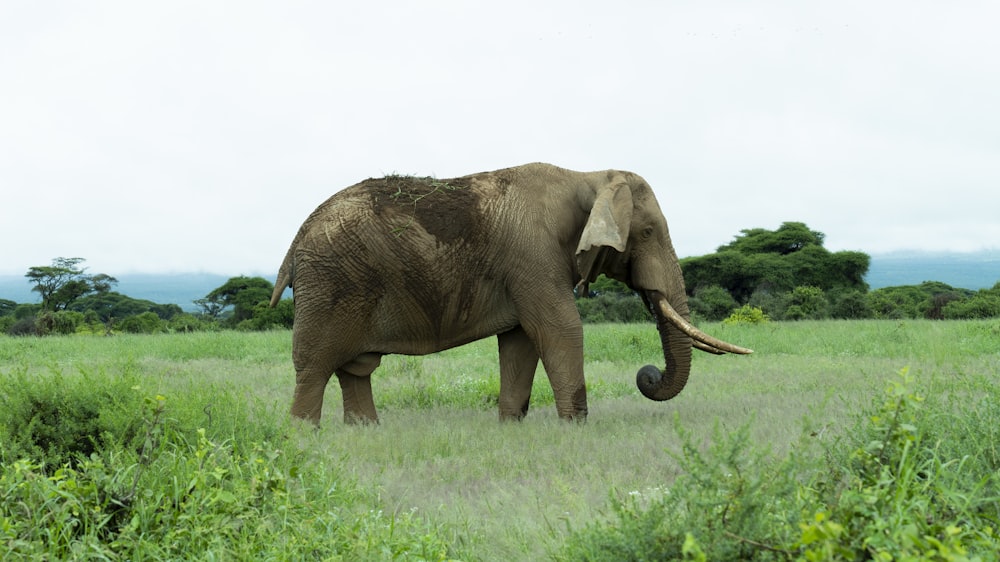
196, 136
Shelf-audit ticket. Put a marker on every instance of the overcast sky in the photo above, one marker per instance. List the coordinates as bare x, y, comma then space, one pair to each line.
196, 136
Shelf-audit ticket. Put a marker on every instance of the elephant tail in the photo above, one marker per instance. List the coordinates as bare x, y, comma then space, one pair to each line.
284, 277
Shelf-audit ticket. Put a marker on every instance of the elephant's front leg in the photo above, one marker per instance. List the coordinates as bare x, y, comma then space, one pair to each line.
558, 337
518, 361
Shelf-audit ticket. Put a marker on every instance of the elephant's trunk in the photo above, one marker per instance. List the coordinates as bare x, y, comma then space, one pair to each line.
677, 335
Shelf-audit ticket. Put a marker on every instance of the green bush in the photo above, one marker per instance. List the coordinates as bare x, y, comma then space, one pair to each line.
613, 307
75, 488
849, 305
712, 303
982, 304
892, 490
145, 323
807, 303
747, 314
55, 419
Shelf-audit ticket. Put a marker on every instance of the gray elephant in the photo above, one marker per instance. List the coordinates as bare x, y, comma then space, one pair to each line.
417, 265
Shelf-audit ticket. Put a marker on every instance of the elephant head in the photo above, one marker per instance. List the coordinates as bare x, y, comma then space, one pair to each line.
626, 238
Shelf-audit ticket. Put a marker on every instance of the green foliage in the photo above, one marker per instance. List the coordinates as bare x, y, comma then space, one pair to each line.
807, 303
440, 470
984, 303
790, 237
177, 493
266, 318
901, 497
712, 303
898, 495
729, 500
612, 307
849, 304
145, 323
241, 293
604, 285
57, 419
747, 314
65, 281
927, 300
775, 262
186, 322
608, 300
111, 306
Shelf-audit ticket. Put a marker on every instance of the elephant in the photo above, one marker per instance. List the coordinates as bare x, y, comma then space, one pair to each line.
415, 265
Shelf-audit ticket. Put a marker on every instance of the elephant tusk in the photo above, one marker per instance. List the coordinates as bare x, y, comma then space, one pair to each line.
700, 337
707, 348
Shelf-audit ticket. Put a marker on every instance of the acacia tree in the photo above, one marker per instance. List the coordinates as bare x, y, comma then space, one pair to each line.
242, 293
65, 281
777, 262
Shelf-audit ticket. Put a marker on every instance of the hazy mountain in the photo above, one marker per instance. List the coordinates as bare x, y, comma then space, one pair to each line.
977, 270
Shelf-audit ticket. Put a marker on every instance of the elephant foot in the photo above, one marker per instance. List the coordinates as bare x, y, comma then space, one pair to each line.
356, 418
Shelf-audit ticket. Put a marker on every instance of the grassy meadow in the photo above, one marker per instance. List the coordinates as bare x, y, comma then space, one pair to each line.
197, 451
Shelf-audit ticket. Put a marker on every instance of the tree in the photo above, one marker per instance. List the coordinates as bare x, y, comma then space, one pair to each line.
7, 307
65, 281
242, 293
929, 299
775, 263
113, 305
712, 303
790, 237
985, 303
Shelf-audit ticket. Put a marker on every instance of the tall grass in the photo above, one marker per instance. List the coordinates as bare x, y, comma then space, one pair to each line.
441, 477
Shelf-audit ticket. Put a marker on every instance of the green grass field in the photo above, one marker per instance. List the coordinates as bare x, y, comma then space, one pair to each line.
441, 478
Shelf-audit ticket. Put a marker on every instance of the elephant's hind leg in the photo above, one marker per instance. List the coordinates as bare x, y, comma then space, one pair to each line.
356, 387
518, 361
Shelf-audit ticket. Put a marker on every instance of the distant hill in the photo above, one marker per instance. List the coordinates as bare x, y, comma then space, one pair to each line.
175, 288
978, 270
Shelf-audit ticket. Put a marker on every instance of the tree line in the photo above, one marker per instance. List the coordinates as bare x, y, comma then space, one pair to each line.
785, 274
74, 301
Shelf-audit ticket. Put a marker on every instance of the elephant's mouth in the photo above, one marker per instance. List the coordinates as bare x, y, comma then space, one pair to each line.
677, 336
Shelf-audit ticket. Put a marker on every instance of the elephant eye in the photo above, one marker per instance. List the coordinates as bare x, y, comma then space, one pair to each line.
647, 232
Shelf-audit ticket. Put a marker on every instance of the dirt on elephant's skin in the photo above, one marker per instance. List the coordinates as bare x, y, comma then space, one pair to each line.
446, 209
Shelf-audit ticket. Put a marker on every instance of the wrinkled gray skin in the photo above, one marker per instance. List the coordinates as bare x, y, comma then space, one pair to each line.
415, 265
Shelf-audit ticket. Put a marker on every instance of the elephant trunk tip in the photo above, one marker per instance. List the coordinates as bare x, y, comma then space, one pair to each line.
651, 383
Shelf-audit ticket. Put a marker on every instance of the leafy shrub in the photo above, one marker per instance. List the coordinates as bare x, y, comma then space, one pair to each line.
897, 492
982, 304
179, 493
56, 420
23, 327
66, 322
747, 314
266, 318
729, 500
849, 305
927, 300
187, 322
807, 302
712, 303
612, 307
900, 497
145, 323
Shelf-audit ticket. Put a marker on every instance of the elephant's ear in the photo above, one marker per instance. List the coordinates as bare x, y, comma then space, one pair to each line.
606, 230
